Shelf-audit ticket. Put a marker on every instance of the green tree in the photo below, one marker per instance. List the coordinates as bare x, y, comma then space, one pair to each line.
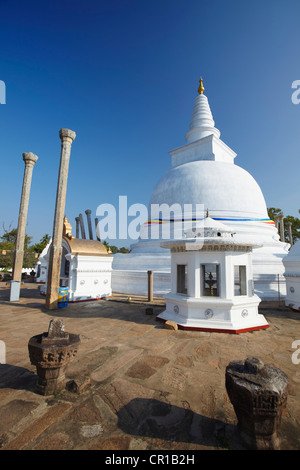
106, 244
115, 249
7, 248
38, 247
10, 238
124, 250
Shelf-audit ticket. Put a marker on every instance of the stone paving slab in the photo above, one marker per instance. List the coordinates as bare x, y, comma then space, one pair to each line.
150, 388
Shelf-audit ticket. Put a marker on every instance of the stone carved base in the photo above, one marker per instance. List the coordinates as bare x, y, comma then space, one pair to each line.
258, 394
50, 381
51, 353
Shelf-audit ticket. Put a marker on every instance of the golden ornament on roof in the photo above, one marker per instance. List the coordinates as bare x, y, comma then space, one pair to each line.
201, 87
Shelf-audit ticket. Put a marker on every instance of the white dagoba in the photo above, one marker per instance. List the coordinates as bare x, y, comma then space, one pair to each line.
203, 172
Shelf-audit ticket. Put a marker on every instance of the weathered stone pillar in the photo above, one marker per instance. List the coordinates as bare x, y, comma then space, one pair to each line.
88, 215
29, 159
97, 231
82, 226
289, 224
150, 286
281, 226
67, 137
77, 227
258, 393
276, 221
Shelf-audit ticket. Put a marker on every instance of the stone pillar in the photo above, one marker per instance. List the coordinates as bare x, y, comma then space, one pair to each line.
82, 227
67, 137
97, 234
289, 224
77, 227
29, 159
150, 286
258, 393
281, 226
88, 215
276, 221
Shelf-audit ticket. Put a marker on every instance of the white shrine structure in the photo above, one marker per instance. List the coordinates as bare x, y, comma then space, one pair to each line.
292, 275
212, 281
85, 268
203, 171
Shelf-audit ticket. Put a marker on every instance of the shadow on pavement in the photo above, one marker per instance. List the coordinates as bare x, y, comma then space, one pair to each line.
155, 419
17, 378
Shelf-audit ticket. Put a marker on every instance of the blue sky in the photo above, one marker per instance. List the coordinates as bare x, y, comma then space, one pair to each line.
123, 74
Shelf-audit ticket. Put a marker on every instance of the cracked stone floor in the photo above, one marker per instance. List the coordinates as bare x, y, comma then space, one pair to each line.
151, 388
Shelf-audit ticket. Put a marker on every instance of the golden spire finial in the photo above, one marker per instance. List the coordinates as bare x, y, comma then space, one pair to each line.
67, 229
201, 87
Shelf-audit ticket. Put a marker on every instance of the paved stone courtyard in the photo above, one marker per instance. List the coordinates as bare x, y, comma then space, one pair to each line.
151, 388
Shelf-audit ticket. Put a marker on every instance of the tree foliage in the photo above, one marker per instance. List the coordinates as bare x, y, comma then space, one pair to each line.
10, 238
273, 212
115, 249
38, 247
7, 249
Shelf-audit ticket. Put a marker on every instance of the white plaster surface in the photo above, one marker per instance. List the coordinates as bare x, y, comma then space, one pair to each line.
213, 243
292, 276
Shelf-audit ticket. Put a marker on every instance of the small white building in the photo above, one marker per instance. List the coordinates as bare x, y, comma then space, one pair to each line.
292, 275
85, 268
212, 281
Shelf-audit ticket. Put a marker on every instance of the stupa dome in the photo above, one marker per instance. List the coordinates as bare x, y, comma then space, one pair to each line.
203, 172
225, 188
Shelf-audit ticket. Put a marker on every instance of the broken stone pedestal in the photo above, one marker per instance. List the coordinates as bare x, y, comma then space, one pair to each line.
51, 353
258, 394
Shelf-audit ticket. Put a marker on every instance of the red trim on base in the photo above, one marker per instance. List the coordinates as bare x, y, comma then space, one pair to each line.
293, 309
217, 330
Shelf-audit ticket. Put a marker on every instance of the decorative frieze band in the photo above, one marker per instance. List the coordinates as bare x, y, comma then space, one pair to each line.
78, 270
184, 248
291, 274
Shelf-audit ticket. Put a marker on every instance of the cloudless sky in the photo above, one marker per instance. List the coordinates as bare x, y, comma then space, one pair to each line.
123, 74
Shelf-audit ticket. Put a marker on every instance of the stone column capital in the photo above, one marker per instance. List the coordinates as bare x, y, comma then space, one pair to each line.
67, 135
30, 158
88, 211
